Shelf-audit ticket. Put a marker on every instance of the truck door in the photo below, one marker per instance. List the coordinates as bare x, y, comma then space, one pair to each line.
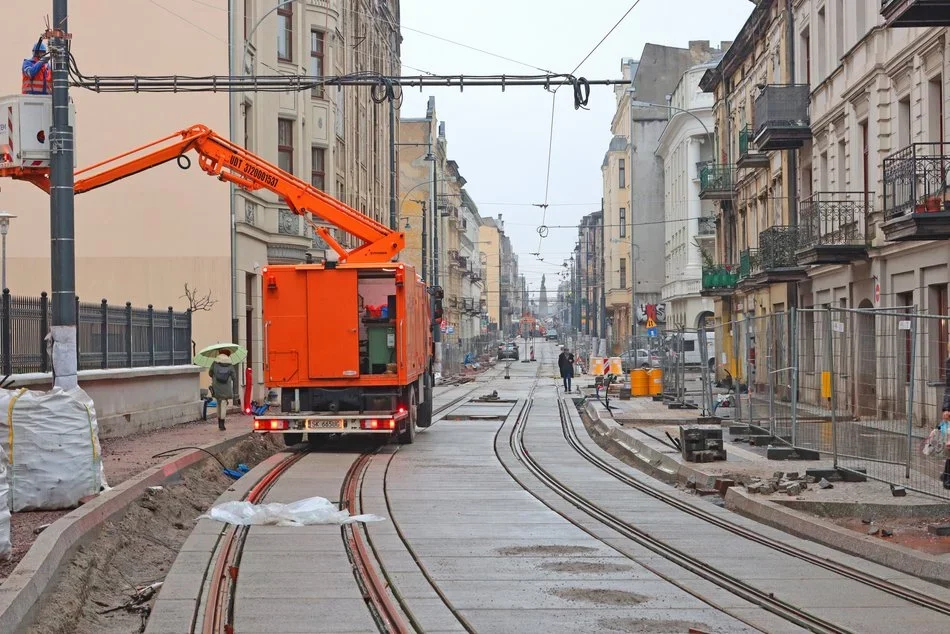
333, 324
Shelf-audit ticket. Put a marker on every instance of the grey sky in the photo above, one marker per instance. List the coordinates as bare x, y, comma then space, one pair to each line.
500, 140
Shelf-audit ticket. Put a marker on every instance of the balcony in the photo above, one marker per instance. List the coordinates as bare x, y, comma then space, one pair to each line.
781, 117
777, 261
707, 227
719, 281
747, 156
716, 182
833, 228
748, 265
916, 204
910, 13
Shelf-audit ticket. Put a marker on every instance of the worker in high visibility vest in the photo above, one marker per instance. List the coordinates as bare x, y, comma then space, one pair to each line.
37, 76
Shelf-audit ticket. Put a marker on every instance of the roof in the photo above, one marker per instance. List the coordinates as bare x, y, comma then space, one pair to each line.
740, 47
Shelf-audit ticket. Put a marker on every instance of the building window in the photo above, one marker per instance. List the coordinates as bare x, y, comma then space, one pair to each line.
806, 54
248, 127
317, 51
623, 222
623, 273
285, 145
903, 122
248, 17
623, 173
942, 308
285, 32
318, 168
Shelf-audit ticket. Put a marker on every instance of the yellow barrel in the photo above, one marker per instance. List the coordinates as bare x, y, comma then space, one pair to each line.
616, 366
597, 365
639, 383
656, 382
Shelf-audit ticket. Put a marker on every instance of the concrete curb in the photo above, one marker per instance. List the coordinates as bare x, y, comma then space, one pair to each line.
900, 558
37, 572
649, 460
172, 613
663, 467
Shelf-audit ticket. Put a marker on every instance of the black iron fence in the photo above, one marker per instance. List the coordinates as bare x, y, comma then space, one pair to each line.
107, 336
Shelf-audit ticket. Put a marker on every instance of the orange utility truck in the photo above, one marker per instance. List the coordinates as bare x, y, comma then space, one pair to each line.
348, 343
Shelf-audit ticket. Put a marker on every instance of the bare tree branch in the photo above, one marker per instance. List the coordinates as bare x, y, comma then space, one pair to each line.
197, 301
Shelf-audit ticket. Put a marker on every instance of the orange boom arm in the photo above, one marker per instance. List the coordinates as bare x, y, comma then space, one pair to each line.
219, 157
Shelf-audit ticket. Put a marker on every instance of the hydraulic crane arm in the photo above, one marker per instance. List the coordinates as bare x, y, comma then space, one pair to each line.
219, 157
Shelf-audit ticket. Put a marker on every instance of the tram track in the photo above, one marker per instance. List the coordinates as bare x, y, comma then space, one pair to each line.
720, 578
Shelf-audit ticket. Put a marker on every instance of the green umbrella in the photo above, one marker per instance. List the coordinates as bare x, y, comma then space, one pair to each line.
207, 356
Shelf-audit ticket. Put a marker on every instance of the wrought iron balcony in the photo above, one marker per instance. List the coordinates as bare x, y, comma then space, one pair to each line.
832, 228
909, 13
777, 262
748, 157
748, 263
716, 182
916, 201
707, 226
719, 281
781, 117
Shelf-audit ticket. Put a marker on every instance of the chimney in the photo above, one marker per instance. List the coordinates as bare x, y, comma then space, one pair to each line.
699, 51
501, 223
442, 129
725, 45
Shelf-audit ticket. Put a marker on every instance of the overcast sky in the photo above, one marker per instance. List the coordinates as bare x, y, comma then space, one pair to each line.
500, 140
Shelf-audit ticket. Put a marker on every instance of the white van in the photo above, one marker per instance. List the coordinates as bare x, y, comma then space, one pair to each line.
692, 349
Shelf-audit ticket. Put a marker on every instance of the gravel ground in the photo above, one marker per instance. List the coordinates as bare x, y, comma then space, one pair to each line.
124, 458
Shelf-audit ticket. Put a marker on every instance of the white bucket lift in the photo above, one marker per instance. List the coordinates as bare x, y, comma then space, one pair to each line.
25, 122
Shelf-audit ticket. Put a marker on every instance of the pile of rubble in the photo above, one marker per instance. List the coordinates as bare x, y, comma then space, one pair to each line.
788, 482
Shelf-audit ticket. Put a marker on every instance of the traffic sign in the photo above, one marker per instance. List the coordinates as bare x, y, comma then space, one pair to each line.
652, 332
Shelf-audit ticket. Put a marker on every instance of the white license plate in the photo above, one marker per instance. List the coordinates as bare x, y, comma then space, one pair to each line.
325, 424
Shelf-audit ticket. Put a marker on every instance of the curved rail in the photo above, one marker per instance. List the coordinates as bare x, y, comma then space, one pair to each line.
753, 595
897, 590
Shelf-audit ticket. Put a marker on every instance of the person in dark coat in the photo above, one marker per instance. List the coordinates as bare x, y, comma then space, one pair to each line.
565, 363
223, 379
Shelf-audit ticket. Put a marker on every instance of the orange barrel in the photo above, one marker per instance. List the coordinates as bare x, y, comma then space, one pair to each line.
639, 383
597, 365
656, 382
616, 366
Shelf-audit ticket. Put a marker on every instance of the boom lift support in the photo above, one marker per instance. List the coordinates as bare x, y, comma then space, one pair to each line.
231, 163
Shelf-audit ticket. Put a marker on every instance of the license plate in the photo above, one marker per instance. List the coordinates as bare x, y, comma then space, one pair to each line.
325, 424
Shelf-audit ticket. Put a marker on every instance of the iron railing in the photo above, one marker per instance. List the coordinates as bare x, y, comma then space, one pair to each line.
745, 136
707, 225
722, 277
716, 177
777, 247
107, 336
834, 219
915, 180
782, 106
748, 263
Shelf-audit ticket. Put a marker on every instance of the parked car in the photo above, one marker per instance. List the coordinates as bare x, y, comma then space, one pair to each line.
692, 353
643, 359
508, 352
551, 336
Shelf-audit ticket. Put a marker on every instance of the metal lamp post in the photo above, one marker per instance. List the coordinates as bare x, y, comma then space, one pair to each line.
5, 218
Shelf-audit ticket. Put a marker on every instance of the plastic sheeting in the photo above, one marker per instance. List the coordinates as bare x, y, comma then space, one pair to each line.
5, 545
305, 512
51, 440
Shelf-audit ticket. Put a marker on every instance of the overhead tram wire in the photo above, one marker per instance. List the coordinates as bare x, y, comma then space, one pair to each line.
578, 103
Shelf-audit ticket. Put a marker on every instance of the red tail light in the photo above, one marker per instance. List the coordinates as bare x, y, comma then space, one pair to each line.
392, 423
271, 425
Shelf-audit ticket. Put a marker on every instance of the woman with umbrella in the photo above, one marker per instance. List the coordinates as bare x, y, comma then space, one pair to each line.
221, 360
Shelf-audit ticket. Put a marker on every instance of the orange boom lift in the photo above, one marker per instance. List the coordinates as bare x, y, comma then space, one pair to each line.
348, 343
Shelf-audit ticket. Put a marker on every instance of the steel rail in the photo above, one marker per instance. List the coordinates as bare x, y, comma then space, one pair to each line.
219, 611
849, 572
387, 616
720, 578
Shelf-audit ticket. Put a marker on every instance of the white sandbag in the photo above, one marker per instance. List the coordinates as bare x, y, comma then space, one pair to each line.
52, 444
5, 545
304, 512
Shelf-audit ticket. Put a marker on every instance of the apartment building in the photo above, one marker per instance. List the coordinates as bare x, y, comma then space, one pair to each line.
686, 145
761, 125
633, 177
336, 139
591, 278
143, 238
472, 263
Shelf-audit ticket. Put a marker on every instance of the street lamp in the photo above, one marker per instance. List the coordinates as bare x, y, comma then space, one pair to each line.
5, 218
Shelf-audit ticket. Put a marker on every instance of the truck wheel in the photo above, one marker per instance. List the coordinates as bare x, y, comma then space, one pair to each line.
408, 436
293, 439
424, 418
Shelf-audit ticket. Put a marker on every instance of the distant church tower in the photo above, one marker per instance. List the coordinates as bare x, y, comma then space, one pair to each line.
543, 301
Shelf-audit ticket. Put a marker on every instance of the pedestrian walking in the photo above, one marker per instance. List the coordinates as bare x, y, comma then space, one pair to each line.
565, 363
223, 379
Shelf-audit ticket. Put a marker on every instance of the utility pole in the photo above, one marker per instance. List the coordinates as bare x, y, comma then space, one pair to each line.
392, 164
436, 219
62, 221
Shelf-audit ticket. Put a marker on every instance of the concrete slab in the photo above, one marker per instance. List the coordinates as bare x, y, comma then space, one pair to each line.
315, 584
292, 616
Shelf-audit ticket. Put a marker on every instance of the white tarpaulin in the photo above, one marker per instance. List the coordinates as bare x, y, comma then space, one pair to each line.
5, 546
52, 444
305, 512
